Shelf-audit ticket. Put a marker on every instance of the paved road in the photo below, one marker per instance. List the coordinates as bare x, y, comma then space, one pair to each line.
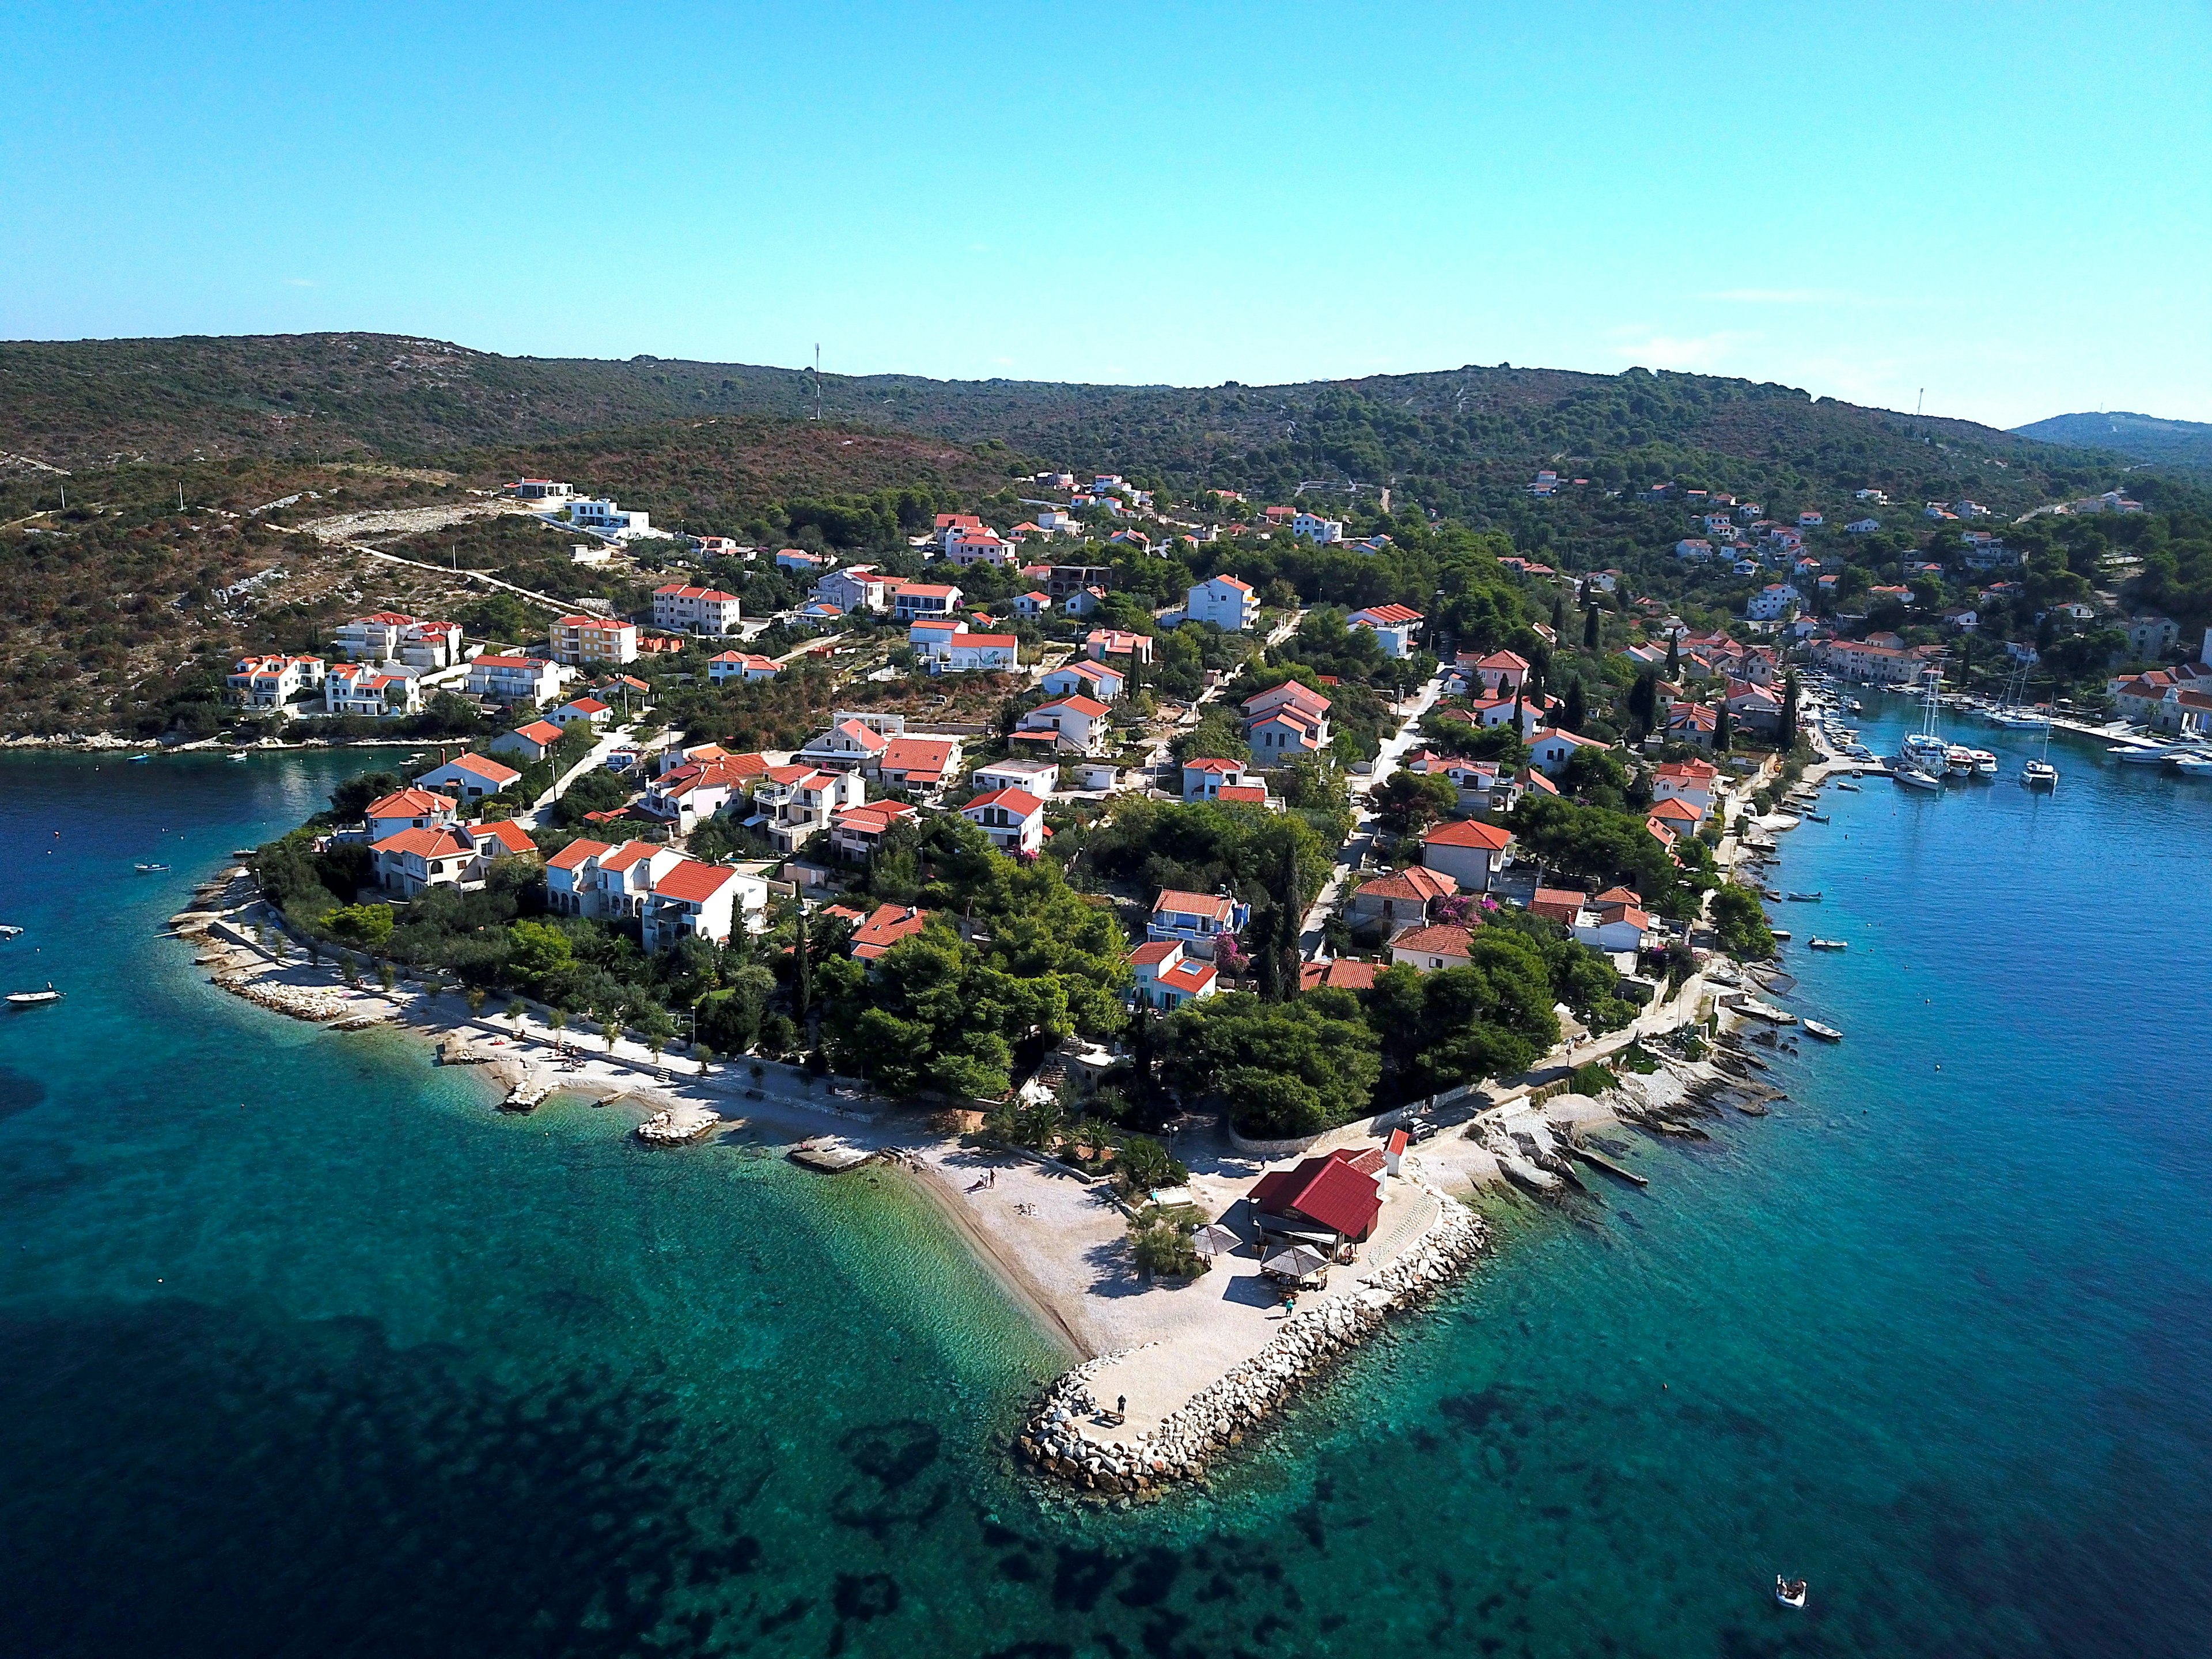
540, 817
1361, 841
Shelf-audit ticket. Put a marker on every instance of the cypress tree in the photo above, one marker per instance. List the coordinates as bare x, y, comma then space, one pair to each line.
1673, 655
1789, 727
1723, 730
1590, 629
1577, 709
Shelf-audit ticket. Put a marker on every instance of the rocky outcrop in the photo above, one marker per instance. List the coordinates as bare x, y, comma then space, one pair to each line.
1221, 1415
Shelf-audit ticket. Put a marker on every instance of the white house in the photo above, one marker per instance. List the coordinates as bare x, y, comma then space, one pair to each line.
1013, 818
391, 636
856, 587
358, 689
965, 547
1862, 527
1032, 774
685, 609
609, 520
741, 666
1166, 977
532, 742
1775, 602
411, 860
514, 679
1032, 604
1075, 722
1227, 603
1395, 625
1694, 547
1616, 927
796, 801
1314, 528
1690, 782
1205, 780
469, 777
1467, 850
1551, 750
912, 601
702, 901
606, 882
1084, 678
588, 711
966, 652
408, 809
1440, 945
273, 682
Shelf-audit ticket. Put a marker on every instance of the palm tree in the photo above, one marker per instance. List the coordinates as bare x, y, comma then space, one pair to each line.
516, 1008
559, 1023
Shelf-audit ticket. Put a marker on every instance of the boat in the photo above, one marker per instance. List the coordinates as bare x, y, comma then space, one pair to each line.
1773, 895
1817, 817
1959, 760
33, 999
1985, 763
9, 930
1826, 1033
1845, 783
1807, 898
1910, 773
1853, 706
140, 760
239, 758
243, 852
1781, 934
2146, 754
1765, 1010
1829, 944
1790, 1592
2198, 765
2039, 773
149, 869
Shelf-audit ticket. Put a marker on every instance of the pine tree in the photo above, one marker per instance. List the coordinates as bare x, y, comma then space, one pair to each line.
1577, 709
1558, 613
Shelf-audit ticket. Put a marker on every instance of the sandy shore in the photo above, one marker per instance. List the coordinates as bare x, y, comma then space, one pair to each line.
1055, 1241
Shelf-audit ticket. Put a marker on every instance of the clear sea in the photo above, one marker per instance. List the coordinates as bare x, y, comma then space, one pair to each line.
304, 1349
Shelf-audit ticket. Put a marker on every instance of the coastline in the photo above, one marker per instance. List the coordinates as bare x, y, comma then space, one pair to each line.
1201, 1363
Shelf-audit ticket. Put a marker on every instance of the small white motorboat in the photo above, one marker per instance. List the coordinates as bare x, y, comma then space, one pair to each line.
33, 999
237, 759
1790, 1592
141, 760
1829, 944
1808, 898
149, 869
9, 930
1985, 763
1826, 1033
1843, 783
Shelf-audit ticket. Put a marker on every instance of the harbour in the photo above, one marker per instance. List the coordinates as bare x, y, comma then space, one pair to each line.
1945, 1386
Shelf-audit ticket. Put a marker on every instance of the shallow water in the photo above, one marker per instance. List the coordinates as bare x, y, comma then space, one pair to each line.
307, 1349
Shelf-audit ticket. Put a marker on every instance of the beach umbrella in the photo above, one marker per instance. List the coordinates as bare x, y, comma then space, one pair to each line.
1214, 1239
1296, 1262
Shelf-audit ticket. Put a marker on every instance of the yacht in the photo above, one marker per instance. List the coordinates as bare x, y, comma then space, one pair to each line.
1985, 763
2146, 754
2039, 773
1959, 760
1907, 770
2195, 764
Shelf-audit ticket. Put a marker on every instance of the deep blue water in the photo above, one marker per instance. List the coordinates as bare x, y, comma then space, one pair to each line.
303, 1348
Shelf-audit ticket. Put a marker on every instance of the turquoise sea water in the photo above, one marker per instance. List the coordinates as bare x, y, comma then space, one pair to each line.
303, 1348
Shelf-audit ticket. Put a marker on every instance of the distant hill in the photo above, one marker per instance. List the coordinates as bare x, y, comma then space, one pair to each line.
2145, 437
1461, 441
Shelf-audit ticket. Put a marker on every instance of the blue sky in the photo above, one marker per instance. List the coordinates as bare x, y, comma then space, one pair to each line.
2009, 204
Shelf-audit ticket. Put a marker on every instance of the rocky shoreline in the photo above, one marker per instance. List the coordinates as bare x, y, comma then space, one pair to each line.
1220, 1415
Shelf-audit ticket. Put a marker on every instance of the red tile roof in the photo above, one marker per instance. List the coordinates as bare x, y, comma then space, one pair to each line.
694, 880
572, 856
1440, 938
1467, 832
409, 803
885, 926
1328, 1190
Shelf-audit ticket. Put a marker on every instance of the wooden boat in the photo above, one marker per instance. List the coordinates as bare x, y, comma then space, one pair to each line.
1829, 944
1826, 1033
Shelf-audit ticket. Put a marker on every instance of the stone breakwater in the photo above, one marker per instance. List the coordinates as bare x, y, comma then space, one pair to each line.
1220, 1415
